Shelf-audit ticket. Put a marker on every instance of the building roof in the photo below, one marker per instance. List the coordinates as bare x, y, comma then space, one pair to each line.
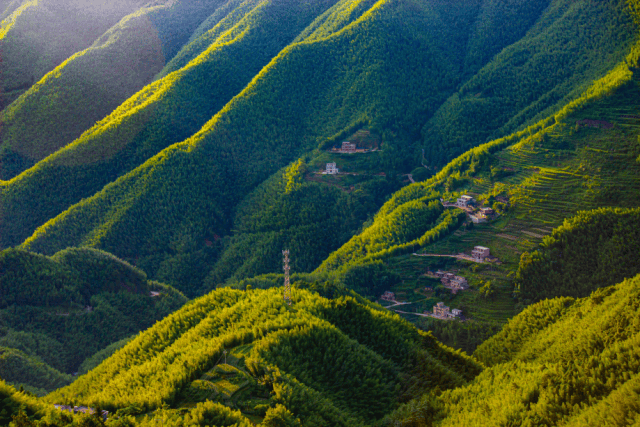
466, 197
482, 248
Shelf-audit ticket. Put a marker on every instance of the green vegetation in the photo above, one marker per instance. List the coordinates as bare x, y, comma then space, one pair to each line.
96, 359
560, 362
230, 156
292, 210
89, 85
591, 250
204, 176
12, 402
535, 179
337, 68
413, 224
30, 372
36, 36
56, 311
335, 362
567, 47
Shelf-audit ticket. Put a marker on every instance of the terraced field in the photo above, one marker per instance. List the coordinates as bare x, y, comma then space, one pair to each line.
585, 162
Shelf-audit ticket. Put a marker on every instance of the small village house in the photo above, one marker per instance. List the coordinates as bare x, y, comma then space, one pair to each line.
441, 310
388, 296
478, 218
331, 169
480, 252
459, 282
447, 278
465, 201
348, 147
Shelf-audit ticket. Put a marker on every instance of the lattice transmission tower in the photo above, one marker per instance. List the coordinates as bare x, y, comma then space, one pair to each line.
287, 285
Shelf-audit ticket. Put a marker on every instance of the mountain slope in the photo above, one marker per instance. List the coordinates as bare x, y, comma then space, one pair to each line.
560, 362
253, 137
340, 76
583, 158
353, 360
37, 36
55, 312
167, 111
571, 45
591, 250
92, 83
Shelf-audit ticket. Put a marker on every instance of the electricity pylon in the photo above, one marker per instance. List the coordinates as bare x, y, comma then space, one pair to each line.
287, 285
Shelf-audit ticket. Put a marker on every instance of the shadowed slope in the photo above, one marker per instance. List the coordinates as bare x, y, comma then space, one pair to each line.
167, 111
386, 65
254, 136
57, 311
37, 36
92, 83
571, 45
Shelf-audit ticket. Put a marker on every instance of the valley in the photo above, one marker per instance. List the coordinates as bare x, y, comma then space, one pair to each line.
156, 162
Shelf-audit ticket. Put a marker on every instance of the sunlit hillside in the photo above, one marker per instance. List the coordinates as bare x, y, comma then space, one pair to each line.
386, 67
319, 213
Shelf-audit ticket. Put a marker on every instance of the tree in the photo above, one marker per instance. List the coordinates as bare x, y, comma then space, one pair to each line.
280, 416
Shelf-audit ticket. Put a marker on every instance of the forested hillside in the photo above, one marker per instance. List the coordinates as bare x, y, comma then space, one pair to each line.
37, 36
591, 250
341, 362
568, 47
89, 85
57, 311
329, 362
560, 362
390, 67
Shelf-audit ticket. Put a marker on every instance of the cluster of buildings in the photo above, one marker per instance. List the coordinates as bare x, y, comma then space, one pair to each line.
349, 148
451, 281
483, 215
441, 311
388, 296
81, 409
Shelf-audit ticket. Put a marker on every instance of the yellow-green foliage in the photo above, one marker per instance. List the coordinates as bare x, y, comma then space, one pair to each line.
590, 250
386, 65
560, 362
311, 219
409, 220
12, 401
250, 139
89, 85
358, 361
567, 44
203, 414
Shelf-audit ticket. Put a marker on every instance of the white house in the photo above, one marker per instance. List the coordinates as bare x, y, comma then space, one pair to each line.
331, 169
